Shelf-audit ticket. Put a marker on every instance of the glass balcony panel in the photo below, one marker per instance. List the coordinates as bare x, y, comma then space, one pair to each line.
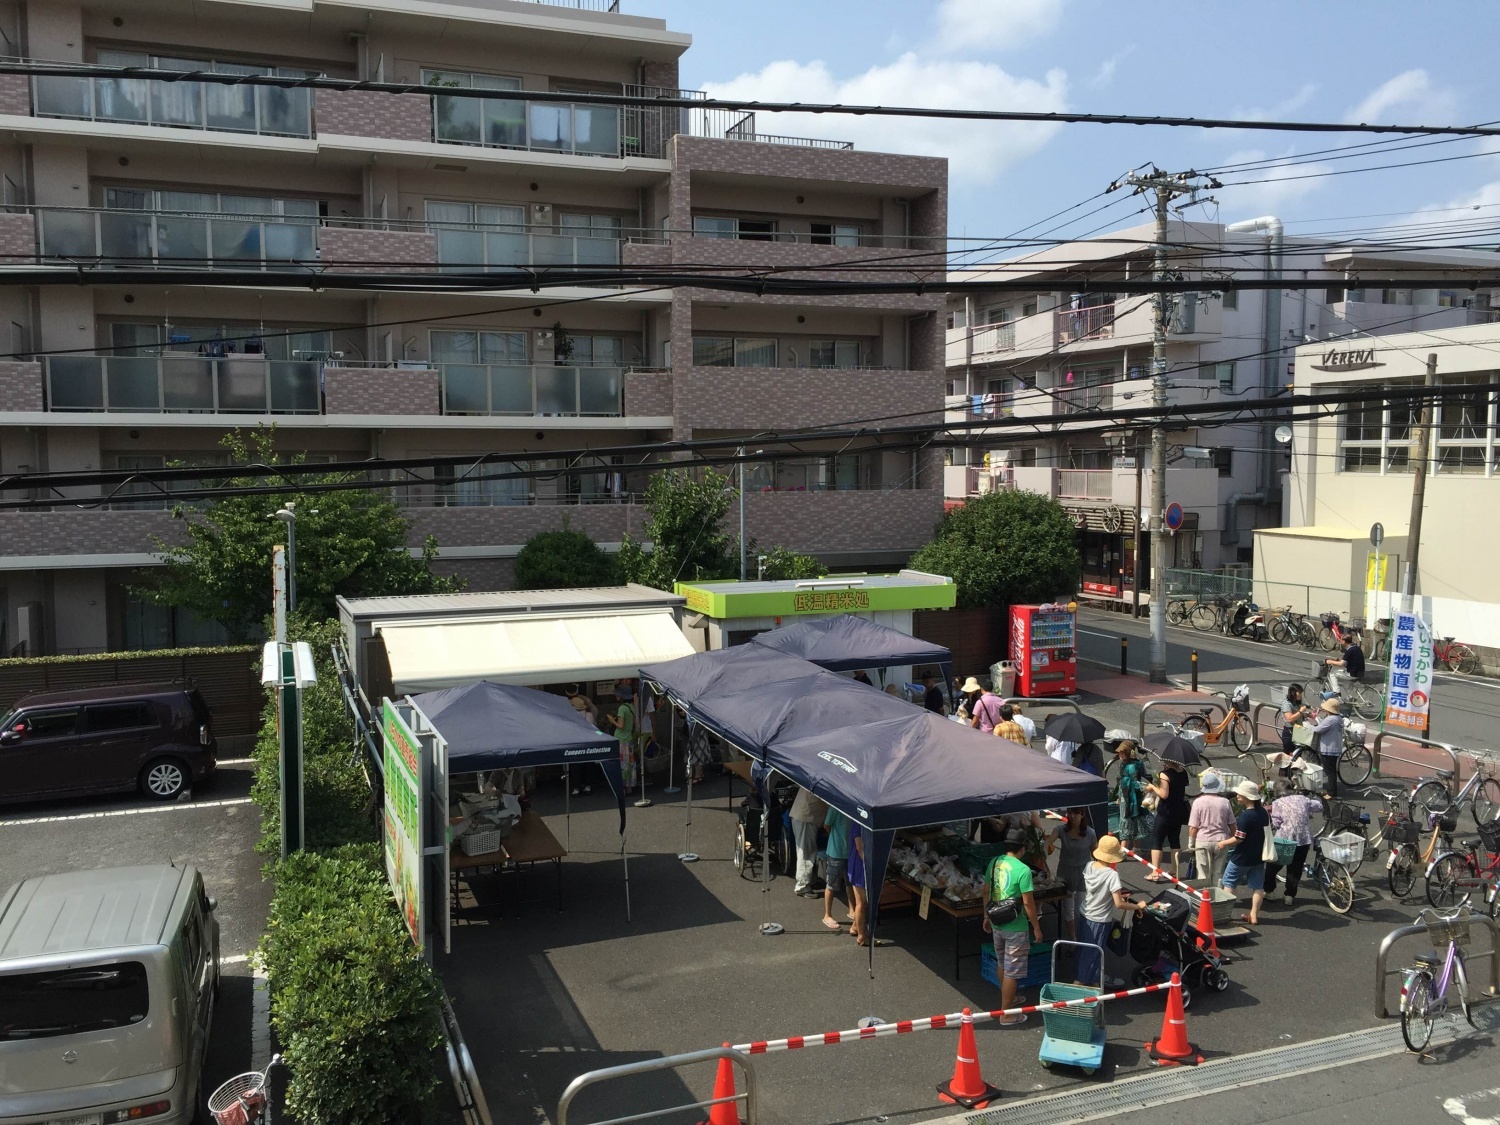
236, 240
510, 390
242, 385
457, 119
598, 251
125, 235
551, 126
177, 103
551, 250
459, 250
231, 108
505, 123
75, 382
122, 99
599, 391
68, 234
596, 129
187, 384
504, 248
64, 97
465, 389
181, 241
289, 242
556, 390
294, 388
132, 383
284, 112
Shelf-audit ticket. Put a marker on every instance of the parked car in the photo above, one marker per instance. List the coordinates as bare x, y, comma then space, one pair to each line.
154, 737
107, 987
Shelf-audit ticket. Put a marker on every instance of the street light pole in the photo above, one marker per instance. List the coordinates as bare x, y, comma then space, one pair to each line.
1419, 486
741, 454
288, 516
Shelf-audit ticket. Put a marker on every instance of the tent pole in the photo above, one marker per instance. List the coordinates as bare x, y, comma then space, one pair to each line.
768, 928
687, 855
671, 749
568, 807
625, 859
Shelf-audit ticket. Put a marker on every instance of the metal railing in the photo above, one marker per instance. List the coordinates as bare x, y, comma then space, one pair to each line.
737, 125
1197, 702
864, 239
1382, 737
994, 338
179, 239
263, 110
181, 384
1382, 957
1203, 584
1094, 323
567, 392
468, 247
429, 493
572, 128
1086, 484
670, 1062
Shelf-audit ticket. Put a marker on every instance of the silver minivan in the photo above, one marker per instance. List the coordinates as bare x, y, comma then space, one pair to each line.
107, 987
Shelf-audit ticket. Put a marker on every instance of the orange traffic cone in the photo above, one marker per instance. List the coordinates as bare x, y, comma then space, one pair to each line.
725, 1113
1205, 924
1173, 1048
966, 1087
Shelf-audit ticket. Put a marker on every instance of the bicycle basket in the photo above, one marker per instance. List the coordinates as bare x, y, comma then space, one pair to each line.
240, 1100
1489, 836
1444, 930
1402, 832
1345, 848
1342, 814
1328, 618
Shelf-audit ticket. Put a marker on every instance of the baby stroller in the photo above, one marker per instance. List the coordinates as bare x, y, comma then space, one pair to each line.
1164, 941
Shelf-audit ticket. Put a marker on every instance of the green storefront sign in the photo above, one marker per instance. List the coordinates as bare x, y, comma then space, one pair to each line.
726, 600
403, 817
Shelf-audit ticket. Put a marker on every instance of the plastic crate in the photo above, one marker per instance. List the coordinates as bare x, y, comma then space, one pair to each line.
481, 842
1038, 964
974, 858
1345, 848
1074, 1025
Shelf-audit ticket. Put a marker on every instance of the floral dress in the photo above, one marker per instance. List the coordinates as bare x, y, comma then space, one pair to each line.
1135, 821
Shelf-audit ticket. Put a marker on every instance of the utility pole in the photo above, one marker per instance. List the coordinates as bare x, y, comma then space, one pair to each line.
1166, 186
1422, 450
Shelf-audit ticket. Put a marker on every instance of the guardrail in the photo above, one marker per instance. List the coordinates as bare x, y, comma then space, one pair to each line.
670, 1062
1178, 701
1050, 701
1255, 720
1400, 932
1451, 751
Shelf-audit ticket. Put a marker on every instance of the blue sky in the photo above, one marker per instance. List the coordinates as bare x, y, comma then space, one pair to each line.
1326, 61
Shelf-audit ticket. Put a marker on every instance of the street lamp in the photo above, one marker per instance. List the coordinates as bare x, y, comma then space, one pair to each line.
288, 516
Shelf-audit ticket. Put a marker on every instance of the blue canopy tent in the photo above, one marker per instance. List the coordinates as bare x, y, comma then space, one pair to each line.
490, 726
848, 643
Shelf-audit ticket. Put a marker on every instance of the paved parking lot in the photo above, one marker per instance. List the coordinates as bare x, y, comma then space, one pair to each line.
216, 830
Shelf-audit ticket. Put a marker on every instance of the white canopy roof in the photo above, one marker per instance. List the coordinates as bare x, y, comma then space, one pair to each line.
539, 650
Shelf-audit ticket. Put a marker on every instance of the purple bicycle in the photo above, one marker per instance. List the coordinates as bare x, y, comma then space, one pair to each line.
1424, 986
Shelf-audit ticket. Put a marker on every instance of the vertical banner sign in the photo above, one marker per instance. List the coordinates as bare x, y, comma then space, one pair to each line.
1408, 689
403, 817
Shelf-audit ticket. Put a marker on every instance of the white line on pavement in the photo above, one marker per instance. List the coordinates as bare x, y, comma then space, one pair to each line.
126, 812
236, 761
260, 1021
234, 959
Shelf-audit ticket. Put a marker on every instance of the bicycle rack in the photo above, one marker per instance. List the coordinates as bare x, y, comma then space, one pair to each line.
1447, 748
1400, 932
671, 1062
1255, 710
1050, 701
1196, 701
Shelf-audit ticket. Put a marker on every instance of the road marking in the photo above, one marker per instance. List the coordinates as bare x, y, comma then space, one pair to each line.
236, 761
126, 812
1459, 1107
260, 1021
234, 959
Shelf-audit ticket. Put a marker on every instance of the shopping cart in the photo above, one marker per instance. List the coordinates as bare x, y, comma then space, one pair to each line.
1073, 1036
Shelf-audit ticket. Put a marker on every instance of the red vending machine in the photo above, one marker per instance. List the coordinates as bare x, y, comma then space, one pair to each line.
1042, 647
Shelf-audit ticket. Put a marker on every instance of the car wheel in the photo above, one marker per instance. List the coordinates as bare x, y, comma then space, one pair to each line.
164, 779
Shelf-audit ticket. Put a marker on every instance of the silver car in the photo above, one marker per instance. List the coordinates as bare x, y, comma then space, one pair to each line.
107, 987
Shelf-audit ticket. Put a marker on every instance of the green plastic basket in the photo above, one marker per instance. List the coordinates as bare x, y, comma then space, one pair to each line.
974, 858
1074, 1025
1285, 850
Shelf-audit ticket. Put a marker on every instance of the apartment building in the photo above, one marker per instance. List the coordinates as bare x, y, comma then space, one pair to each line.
106, 171
1353, 469
1046, 353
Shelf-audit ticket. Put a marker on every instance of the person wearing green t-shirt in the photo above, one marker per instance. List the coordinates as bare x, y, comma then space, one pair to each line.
838, 865
1008, 877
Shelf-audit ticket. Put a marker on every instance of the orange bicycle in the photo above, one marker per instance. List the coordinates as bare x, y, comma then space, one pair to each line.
1235, 727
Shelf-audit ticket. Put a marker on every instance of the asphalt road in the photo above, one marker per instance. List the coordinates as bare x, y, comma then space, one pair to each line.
216, 831
1465, 708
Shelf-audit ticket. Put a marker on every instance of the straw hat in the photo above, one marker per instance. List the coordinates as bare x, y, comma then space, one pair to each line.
1332, 706
1210, 782
1248, 790
1109, 850
971, 684
579, 703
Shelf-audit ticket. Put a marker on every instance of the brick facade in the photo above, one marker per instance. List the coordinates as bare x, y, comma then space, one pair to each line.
368, 113
830, 522
20, 386
86, 532
648, 394
378, 390
480, 574
15, 95
512, 526
770, 398
377, 251
17, 237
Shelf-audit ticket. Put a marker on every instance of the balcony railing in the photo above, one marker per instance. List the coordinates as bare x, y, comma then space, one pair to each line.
1086, 484
540, 391
566, 127
460, 248
995, 338
181, 385
1095, 323
177, 239
737, 125
264, 110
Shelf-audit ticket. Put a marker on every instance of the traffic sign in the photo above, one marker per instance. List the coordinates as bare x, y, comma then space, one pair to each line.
1377, 535
1173, 517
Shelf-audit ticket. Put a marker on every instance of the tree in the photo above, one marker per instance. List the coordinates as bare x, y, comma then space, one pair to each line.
562, 560
780, 564
687, 543
1005, 548
350, 542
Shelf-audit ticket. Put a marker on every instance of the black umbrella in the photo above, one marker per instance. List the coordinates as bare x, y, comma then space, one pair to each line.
1071, 726
1171, 747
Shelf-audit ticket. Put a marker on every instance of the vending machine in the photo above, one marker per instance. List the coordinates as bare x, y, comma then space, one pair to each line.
1043, 641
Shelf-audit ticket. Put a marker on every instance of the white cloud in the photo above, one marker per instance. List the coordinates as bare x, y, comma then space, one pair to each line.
1282, 109
1106, 72
1282, 182
976, 150
966, 26
1411, 93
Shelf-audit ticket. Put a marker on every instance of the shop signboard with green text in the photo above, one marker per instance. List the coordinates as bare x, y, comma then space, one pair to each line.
403, 836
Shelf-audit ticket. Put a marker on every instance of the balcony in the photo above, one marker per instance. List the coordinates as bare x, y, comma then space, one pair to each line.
180, 240
1086, 484
1094, 323
180, 385
562, 127
565, 392
260, 110
460, 249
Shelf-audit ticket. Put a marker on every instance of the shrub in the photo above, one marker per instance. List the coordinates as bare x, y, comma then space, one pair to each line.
563, 560
354, 1006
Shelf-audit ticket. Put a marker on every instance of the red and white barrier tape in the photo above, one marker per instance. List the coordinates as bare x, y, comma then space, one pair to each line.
931, 1023
1194, 891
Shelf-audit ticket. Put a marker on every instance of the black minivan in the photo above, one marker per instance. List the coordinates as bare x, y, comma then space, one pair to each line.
153, 737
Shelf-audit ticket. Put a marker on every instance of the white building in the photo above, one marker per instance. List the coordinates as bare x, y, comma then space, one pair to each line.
1352, 470
1050, 351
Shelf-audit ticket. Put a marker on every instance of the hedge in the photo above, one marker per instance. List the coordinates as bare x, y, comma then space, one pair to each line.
143, 654
354, 1007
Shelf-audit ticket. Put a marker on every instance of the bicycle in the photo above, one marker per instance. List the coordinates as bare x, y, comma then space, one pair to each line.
1456, 875
1424, 997
1341, 819
1235, 724
1481, 793
1336, 634
1365, 700
1458, 657
1178, 610
1208, 614
1405, 859
1333, 876
1286, 627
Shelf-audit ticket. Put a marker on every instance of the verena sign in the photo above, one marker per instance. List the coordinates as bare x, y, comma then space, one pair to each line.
1350, 359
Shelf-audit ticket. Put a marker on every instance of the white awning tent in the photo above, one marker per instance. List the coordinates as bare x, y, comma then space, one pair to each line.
426, 656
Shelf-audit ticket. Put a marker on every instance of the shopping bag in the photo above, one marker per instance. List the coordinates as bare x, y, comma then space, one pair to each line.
1303, 735
1118, 941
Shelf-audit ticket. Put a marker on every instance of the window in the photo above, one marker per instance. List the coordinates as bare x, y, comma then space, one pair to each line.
1231, 298
833, 353
1464, 425
69, 1001
590, 226
835, 234
501, 348
724, 351
754, 230
957, 319
596, 351
118, 716
1395, 296
489, 121
1028, 308
483, 216
1333, 296
1222, 373
1224, 461
456, 488
50, 724
997, 315
210, 203
215, 341
1361, 445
